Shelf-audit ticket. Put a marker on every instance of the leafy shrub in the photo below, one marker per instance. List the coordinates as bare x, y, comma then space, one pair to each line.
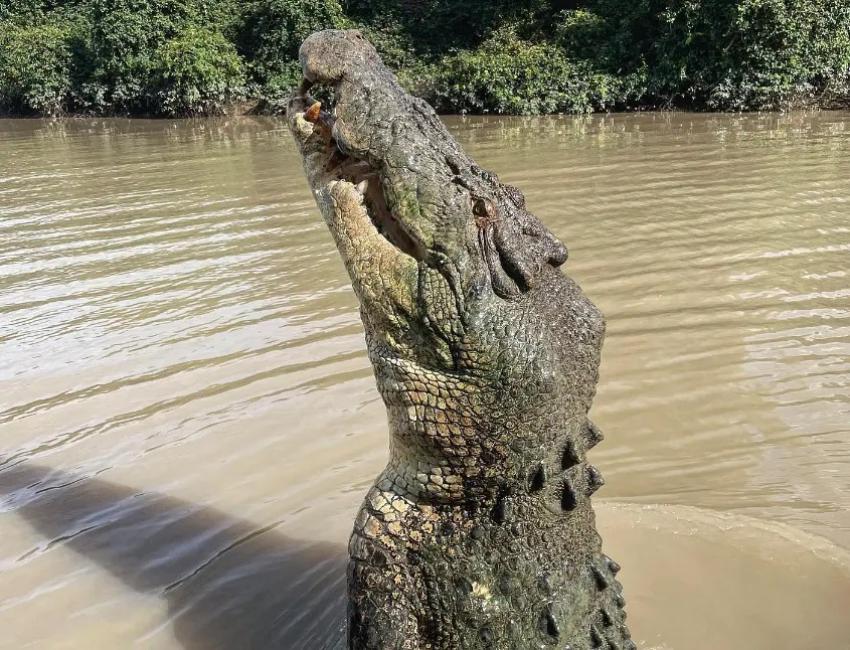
35, 69
116, 67
21, 10
395, 45
581, 32
508, 75
196, 73
434, 27
726, 54
514, 56
124, 36
272, 31
782, 52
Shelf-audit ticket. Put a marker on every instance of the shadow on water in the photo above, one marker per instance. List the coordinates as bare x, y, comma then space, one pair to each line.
228, 583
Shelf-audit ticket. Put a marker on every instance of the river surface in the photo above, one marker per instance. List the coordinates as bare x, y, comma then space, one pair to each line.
188, 420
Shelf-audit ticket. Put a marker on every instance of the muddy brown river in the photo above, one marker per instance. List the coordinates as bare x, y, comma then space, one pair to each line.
188, 420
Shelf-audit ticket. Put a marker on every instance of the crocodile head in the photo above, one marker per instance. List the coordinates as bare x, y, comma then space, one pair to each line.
484, 352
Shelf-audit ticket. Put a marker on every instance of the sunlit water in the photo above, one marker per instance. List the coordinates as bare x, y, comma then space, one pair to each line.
188, 420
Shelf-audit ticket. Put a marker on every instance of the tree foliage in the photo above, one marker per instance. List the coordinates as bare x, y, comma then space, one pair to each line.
188, 57
721, 54
35, 69
509, 75
196, 72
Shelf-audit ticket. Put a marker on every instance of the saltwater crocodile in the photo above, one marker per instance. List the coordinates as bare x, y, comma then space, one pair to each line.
479, 533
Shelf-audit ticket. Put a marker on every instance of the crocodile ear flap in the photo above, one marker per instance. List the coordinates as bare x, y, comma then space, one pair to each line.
525, 248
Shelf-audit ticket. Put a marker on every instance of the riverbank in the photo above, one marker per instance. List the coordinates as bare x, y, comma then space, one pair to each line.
205, 57
261, 108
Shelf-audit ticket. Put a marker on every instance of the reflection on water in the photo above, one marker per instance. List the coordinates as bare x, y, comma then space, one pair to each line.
175, 322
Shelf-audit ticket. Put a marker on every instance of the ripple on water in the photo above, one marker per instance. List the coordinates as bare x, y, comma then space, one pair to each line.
175, 321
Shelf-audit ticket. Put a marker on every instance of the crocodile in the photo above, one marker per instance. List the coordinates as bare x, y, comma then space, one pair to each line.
479, 533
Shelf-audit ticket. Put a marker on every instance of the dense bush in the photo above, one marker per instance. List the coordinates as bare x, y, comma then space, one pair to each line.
269, 35
198, 72
26, 11
125, 38
720, 54
781, 52
509, 75
35, 69
517, 56
272, 31
434, 27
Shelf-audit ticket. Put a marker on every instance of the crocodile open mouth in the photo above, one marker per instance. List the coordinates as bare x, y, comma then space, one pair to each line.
364, 176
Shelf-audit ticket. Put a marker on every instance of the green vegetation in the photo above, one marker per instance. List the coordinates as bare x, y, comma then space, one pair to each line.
198, 57
508, 75
35, 68
268, 37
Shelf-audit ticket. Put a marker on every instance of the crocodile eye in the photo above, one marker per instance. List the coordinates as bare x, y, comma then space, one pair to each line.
483, 208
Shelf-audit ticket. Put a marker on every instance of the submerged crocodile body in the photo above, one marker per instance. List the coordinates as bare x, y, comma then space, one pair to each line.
479, 533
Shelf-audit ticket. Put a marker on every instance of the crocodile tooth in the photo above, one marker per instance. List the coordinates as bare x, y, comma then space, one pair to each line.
312, 113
